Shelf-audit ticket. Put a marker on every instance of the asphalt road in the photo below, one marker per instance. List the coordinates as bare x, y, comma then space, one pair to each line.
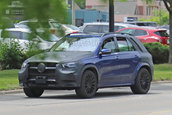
110, 101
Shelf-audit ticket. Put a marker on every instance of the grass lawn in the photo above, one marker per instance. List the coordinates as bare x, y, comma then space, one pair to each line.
162, 72
9, 78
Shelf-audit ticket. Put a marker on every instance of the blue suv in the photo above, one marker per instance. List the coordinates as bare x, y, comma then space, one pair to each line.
85, 63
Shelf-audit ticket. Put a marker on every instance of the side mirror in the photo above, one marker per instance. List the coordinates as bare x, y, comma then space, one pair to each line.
105, 51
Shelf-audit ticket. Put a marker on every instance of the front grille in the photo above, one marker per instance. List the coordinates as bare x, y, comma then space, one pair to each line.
49, 72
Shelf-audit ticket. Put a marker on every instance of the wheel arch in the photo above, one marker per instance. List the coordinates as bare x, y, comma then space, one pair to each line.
147, 66
93, 68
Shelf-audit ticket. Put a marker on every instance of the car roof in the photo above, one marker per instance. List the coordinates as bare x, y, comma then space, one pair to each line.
107, 35
107, 23
18, 29
146, 28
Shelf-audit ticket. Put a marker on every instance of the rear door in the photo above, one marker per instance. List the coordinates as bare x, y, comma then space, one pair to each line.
128, 60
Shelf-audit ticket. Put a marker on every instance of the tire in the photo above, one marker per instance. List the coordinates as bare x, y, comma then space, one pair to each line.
142, 82
33, 92
88, 85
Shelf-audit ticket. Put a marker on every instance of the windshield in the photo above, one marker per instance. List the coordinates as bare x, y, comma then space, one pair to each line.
127, 31
76, 44
71, 27
161, 33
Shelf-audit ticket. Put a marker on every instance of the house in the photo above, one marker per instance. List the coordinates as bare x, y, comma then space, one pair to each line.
132, 8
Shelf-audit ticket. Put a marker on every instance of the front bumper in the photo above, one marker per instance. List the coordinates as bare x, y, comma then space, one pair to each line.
54, 79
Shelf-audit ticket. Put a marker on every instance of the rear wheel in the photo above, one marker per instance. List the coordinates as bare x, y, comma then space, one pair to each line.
142, 83
33, 92
88, 86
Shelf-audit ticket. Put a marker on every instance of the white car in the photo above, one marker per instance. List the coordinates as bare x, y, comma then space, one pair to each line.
102, 27
23, 37
54, 26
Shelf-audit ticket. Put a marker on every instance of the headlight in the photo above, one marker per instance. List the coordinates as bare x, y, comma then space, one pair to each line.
69, 65
24, 65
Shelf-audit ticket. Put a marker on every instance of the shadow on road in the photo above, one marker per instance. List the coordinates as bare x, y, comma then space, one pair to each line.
98, 95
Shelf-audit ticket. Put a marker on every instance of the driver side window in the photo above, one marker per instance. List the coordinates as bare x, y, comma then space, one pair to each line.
109, 44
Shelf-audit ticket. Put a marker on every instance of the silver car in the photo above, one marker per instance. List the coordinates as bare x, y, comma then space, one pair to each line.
24, 37
102, 27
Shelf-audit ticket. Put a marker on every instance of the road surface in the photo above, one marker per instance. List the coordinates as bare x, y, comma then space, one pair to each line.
110, 101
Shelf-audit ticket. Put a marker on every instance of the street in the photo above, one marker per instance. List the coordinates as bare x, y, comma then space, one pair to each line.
109, 101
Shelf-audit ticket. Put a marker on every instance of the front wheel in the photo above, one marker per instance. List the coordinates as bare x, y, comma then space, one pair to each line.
88, 85
33, 92
142, 82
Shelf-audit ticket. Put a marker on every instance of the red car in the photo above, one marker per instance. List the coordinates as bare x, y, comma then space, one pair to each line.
147, 35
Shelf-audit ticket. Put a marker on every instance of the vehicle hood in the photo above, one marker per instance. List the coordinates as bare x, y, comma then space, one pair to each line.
59, 57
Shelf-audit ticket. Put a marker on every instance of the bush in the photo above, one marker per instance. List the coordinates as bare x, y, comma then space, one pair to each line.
159, 52
11, 56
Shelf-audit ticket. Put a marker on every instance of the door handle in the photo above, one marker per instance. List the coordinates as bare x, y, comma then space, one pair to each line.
116, 58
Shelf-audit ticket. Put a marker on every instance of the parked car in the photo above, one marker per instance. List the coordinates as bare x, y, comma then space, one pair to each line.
143, 23
24, 37
147, 35
54, 26
85, 63
167, 27
102, 27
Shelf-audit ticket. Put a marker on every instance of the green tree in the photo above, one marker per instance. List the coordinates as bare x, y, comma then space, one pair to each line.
168, 4
81, 3
161, 17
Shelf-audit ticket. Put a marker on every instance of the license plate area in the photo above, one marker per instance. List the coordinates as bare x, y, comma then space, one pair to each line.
41, 79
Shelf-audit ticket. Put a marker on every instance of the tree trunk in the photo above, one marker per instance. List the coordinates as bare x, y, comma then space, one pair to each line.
170, 53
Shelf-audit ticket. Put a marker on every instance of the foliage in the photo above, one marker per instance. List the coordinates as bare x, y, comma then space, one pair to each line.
81, 3
159, 52
11, 56
161, 17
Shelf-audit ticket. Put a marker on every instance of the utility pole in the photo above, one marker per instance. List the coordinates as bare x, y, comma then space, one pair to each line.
73, 12
111, 16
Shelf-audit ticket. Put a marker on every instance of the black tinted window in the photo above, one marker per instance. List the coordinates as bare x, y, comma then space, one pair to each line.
92, 29
124, 44
140, 33
161, 33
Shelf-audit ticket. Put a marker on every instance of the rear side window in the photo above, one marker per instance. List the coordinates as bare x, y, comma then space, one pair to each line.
124, 45
11, 34
92, 29
127, 31
140, 33
161, 33
105, 28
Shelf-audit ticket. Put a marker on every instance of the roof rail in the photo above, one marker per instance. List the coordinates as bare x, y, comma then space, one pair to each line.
107, 34
126, 34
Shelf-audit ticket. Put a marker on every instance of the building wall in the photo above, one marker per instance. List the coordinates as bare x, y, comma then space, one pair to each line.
86, 16
142, 10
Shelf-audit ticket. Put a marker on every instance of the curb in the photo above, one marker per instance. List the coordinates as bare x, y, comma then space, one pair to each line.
3, 92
